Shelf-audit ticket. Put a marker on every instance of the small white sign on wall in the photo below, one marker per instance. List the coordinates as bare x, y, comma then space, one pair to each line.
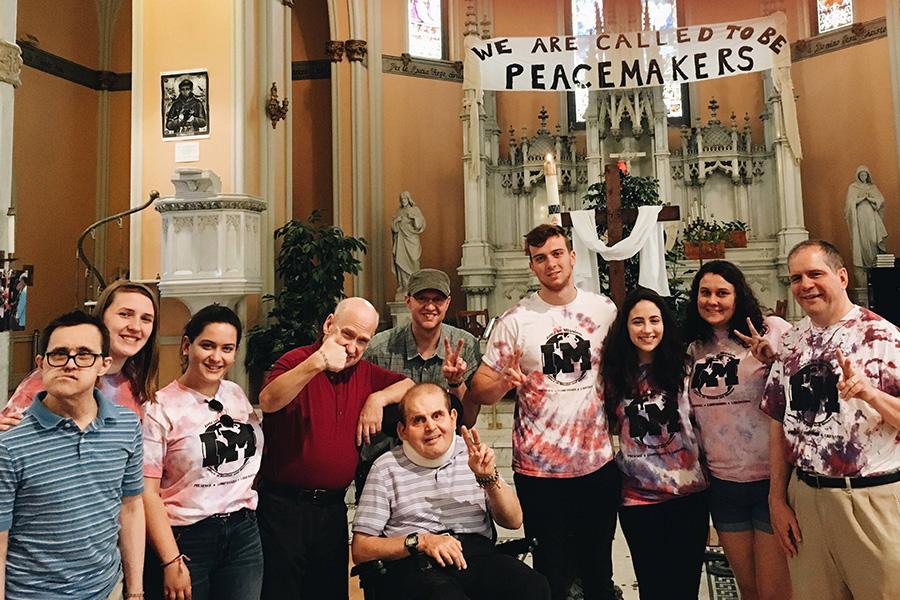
187, 152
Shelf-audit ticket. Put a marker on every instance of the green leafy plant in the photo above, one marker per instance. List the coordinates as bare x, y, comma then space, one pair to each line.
735, 226
699, 230
311, 265
637, 191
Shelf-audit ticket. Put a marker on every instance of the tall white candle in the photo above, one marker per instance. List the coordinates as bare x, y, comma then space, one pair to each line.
550, 178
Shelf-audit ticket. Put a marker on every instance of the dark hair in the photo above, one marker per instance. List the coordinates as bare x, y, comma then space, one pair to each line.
421, 389
71, 319
186, 83
538, 236
620, 366
745, 304
142, 368
832, 256
214, 313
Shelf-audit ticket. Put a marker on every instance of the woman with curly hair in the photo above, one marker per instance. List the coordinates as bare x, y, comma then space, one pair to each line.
130, 311
664, 507
725, 390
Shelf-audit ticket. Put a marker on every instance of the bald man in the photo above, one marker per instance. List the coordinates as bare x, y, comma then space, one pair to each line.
320, 402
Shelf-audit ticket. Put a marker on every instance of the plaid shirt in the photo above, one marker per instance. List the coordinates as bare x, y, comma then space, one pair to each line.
395, 350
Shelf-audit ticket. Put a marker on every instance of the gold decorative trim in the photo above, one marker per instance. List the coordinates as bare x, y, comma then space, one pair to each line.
858, 33
356, 50
10, 63
334, 50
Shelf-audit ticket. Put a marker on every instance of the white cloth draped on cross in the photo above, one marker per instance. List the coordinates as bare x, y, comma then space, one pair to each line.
646, 237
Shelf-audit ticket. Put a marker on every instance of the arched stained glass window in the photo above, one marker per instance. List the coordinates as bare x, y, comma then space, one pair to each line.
658, 14
833, 14
425, 27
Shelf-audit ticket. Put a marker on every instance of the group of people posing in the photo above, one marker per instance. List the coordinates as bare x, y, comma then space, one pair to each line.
788, 436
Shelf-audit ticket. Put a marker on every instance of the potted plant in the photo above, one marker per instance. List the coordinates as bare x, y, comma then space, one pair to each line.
704, 239
737, 234
311, 265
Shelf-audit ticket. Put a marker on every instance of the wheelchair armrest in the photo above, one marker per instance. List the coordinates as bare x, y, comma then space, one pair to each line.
518, 547
368, 569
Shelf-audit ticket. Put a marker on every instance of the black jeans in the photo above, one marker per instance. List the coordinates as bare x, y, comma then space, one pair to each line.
574, 521
226, 560
488, 575
667, 543
305, 547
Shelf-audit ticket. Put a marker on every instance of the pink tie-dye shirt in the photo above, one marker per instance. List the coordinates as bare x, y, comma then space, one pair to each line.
826, 434
658, 452
206, 461
726, 387
560, 428
115, 387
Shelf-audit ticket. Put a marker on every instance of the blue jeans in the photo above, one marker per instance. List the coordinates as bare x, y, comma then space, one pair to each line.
226, 561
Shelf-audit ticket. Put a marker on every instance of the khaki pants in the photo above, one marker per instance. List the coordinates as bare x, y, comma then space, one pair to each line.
851, 542
117, 592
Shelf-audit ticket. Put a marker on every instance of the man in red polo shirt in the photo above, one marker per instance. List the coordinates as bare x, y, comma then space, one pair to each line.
320, 403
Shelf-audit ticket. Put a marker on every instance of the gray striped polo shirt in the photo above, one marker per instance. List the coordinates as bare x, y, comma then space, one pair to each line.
61, 492
401, 497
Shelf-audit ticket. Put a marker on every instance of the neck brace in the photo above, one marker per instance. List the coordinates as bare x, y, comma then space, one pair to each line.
429, 463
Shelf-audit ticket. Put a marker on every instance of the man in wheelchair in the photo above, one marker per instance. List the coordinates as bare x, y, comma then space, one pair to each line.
425, 514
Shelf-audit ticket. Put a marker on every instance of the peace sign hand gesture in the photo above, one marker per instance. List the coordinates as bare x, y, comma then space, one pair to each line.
760, 347
482, 460
512, 374
454, 368
853, 384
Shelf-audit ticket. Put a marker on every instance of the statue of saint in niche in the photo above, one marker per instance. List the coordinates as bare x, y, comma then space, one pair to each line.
864, 211
406, 227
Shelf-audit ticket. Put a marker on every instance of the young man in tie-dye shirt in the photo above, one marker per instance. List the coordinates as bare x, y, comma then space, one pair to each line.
834, 392
547, 348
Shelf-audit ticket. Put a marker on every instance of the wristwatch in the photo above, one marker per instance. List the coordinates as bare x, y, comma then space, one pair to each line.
412, 543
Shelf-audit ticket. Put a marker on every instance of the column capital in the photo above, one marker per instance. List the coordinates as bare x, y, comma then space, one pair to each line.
10, 63
356, 50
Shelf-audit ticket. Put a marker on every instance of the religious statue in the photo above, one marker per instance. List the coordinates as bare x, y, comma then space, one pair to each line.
406, 227
864, 211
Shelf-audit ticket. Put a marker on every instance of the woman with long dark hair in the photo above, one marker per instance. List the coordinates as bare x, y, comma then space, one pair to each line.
202, 450
725, 390
664, 507
130, 311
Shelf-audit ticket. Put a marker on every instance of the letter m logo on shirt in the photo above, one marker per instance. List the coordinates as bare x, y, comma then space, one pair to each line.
563, 353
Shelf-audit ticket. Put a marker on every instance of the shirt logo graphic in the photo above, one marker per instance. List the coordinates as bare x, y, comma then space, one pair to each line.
566, 357
648, 415
227, 446
814, 392
716, 376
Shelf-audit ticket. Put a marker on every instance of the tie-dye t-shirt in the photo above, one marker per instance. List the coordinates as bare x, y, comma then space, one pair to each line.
826, 434
658, 451
115, 387
726, 387
560, 426
206, 461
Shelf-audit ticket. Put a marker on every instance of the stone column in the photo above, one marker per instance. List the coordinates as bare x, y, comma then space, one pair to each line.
892, 16
10, 68
476, 270
791, 229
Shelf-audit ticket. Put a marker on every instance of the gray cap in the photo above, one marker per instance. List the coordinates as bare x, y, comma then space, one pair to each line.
428, 279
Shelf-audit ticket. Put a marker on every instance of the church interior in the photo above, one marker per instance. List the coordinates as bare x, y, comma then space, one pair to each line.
345, 107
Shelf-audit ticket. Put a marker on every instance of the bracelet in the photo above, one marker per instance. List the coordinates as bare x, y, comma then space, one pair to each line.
324, 358
134, 595
174, 560
453, 386
489, 481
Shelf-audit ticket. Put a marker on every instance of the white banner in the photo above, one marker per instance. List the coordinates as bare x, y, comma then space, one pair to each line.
628, 60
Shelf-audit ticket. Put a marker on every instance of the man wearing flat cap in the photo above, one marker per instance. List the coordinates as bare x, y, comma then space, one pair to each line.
427, 350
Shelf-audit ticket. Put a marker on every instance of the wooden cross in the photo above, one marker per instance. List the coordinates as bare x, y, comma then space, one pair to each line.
614, 218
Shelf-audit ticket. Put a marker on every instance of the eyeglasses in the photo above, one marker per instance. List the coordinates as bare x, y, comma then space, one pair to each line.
216, 406
426, 300
81, 359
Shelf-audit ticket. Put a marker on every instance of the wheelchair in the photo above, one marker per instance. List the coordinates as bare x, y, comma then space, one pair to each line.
373, 578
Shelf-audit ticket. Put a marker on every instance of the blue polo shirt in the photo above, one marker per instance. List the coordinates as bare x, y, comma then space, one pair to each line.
61, 492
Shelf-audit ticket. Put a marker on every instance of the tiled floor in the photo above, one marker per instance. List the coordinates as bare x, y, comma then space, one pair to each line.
494, 429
